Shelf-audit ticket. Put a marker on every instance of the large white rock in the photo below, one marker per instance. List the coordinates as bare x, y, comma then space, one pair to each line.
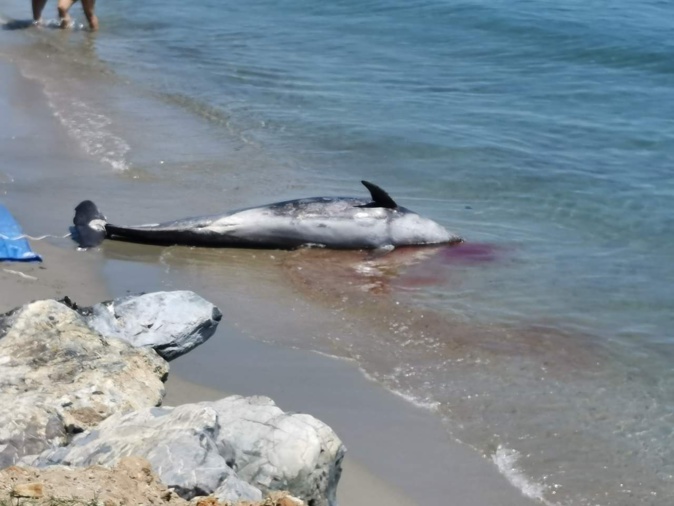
274, 450
59, 377
172, 323
235, 448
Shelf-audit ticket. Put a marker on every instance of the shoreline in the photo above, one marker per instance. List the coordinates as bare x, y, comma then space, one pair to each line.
67, 272
410, 461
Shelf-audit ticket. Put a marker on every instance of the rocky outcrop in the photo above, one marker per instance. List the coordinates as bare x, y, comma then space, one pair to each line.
58, 377
172, 323
235, 448
77, 392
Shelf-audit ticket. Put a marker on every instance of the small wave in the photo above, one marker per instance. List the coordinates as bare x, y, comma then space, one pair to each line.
91, 130
432, 406
506, 462
88, 126
425, 404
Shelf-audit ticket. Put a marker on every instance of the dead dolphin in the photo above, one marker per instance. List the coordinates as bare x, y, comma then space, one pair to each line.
330, 222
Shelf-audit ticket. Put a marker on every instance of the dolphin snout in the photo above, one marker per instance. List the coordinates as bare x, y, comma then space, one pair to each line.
217, 315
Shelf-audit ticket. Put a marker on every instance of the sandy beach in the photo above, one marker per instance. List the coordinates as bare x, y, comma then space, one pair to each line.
398, 454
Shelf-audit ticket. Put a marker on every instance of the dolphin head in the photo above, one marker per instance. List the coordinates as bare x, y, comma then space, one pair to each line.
407, 228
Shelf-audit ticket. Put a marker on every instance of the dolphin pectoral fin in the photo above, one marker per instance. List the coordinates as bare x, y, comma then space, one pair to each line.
379, 197
381, 251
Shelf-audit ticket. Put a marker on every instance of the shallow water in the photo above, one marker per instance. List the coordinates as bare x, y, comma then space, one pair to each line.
541, 133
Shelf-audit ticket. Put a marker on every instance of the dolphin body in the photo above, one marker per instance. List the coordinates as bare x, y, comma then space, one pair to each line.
330, 222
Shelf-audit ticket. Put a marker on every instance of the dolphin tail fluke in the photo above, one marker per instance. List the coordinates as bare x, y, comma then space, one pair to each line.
89, 230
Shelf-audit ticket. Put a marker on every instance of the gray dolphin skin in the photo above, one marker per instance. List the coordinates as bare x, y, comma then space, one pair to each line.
330, 222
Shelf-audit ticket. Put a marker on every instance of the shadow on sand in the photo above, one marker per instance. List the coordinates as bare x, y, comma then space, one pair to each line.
17, 24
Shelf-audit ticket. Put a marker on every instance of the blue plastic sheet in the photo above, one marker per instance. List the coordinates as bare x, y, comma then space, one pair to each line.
12, 245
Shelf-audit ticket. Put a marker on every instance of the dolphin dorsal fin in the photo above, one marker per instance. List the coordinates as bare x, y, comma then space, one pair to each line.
379, 197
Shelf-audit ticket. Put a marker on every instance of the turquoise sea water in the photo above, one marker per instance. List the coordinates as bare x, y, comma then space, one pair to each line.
543, 132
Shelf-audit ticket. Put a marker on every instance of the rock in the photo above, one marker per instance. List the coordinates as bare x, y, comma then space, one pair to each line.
178, 442
233, 489
273, 450
60, 377
30, 490
130, 482
236, 448
204, 501
288, 500
172, 323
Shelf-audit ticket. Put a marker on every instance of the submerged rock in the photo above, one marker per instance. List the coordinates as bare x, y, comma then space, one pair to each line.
235, 448
58, 377
172, 323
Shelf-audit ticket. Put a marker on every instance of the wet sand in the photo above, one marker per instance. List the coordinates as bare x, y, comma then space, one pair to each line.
398, 454
403, 448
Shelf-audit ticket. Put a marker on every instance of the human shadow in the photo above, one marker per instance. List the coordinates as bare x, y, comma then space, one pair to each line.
17, 24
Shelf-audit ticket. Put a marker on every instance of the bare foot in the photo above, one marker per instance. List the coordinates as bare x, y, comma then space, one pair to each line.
66, 22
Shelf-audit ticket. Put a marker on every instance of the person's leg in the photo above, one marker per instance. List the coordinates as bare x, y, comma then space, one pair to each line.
63, 7
88, 6
38, 5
